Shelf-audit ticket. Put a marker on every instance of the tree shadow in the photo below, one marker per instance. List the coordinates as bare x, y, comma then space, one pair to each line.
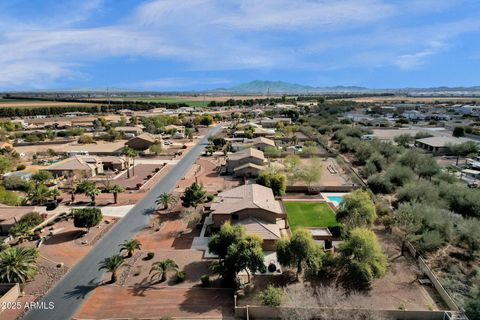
64, 237
199, 300
81, 291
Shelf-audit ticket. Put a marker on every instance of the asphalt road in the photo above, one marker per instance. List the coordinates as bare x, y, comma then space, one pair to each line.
70, 292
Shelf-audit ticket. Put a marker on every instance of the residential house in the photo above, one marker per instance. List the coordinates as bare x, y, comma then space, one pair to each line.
437, 144
271, 123
143, 141
129, 130
246, 156
87, 166
255, 208
113, 163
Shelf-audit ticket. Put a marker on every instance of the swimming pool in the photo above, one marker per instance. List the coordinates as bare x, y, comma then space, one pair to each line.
335, 199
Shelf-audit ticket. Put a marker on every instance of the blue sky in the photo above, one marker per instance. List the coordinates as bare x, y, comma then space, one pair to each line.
203, 44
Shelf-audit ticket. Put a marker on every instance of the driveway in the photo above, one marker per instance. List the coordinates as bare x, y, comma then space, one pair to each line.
71, 291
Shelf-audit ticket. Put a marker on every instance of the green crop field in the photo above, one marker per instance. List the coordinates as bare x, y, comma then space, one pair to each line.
309, 214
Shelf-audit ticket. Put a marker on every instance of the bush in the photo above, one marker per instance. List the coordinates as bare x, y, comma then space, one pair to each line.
32, 219
399, 175
271, 297
180, 276
150, 256
210, 197
379, 184
205, 280
15, 183
418, 191
86, 217
9, 198
21, 167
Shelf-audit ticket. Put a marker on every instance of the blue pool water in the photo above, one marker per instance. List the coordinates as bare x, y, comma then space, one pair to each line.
335, 199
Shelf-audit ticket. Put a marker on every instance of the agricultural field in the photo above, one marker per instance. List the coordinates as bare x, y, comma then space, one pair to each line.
310, 214
14, 103
400, 99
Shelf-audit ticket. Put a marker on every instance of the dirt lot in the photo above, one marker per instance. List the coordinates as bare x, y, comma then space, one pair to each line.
399, 287
332, 174
68, 246
205, 171
136, 294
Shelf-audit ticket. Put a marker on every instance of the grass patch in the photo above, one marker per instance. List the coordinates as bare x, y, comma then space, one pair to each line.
310, 214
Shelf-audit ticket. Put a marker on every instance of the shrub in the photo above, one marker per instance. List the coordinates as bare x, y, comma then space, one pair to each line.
399, 175
180, 276
378, 184
8, 197
418, 191
210, 197
272, 296
86, 217
15, 183
21, 167
205, 280
150, 256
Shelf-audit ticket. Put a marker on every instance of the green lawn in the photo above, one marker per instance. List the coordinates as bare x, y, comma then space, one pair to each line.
309, 214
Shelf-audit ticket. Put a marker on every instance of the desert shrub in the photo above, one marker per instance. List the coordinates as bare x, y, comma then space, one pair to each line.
180, 276
21, 167
431, 240
150, 256
9, 198
378, 184
399, 175
461, 200
271, 296
418, 191
205, 280
210, 197
15, 183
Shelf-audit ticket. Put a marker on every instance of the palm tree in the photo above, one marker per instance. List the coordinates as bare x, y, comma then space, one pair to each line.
92, 191
129, 153
160, 268
115, 190
112, 264
54, 193
38, 194
17, 264
130, 246
165, 199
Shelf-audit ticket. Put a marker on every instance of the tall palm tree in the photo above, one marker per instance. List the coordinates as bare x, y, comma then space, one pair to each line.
129, 153
160, 269
165, 199
17, 264
112, 264
115, 189
130, 246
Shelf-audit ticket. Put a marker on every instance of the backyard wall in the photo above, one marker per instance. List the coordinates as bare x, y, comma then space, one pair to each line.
438, 286
9, 292
263, 312
306, 189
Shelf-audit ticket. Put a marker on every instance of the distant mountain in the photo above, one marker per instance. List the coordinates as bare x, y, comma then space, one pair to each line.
259, 86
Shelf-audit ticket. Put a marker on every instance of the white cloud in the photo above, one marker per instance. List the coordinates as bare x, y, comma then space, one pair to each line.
227, 35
